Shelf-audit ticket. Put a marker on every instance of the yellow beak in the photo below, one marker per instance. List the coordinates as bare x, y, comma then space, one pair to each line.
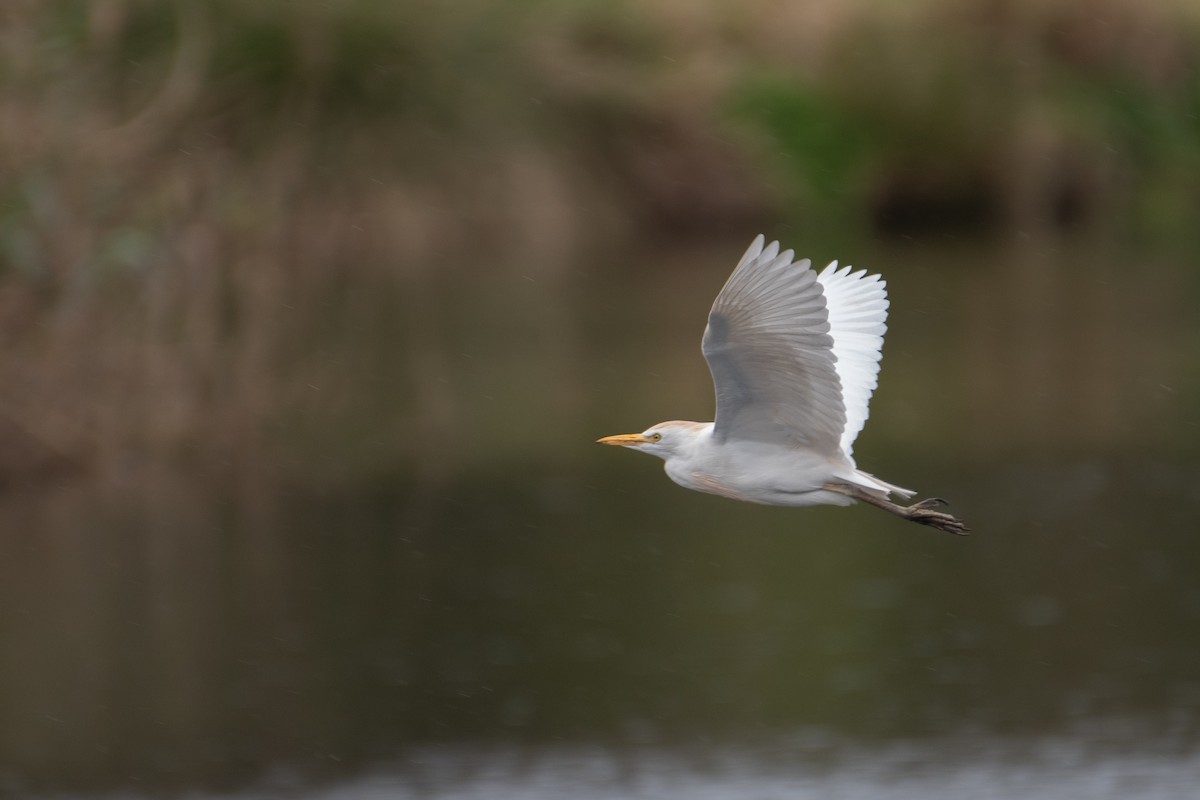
624, 439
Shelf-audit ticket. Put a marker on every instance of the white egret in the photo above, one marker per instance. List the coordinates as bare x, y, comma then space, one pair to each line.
794, 357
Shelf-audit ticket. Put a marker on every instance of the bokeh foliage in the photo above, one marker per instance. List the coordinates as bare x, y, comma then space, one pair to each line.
211, 207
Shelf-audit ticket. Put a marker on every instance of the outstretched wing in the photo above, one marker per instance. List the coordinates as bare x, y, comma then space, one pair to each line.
857, 304
769, 348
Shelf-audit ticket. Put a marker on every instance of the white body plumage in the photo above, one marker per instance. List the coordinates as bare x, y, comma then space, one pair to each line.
755, 472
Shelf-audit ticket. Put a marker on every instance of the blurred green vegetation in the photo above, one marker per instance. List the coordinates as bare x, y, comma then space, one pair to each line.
210, 208
1003, 116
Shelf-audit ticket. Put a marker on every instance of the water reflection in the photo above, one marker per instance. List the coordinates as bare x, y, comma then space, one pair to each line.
570, 612
983, 769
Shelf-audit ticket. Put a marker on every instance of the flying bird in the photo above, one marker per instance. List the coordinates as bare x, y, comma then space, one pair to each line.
794, 356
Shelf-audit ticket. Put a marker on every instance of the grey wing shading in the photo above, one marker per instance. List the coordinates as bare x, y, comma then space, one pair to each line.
771, 356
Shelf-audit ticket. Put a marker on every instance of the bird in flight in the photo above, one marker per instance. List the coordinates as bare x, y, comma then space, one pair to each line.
794, 356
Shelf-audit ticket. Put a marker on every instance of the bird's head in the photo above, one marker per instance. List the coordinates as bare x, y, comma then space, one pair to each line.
663, 440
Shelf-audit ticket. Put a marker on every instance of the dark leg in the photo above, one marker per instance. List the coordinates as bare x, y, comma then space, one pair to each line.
921, 512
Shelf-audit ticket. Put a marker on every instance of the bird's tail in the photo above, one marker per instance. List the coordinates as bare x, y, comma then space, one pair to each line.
869, 481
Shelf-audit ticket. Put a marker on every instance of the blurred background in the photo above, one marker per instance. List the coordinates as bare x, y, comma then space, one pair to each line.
310, 312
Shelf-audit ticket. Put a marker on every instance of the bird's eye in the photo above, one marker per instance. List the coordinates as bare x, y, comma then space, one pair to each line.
656, 437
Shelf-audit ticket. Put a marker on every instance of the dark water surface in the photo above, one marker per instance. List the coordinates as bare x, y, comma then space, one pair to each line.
511, 611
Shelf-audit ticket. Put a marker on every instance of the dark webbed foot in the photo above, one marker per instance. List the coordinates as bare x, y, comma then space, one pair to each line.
923, 513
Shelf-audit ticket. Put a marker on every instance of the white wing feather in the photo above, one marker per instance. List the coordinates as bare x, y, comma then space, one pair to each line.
857, 305
769, 347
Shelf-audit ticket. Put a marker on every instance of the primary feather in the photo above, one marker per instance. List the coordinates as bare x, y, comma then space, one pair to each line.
857, 304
